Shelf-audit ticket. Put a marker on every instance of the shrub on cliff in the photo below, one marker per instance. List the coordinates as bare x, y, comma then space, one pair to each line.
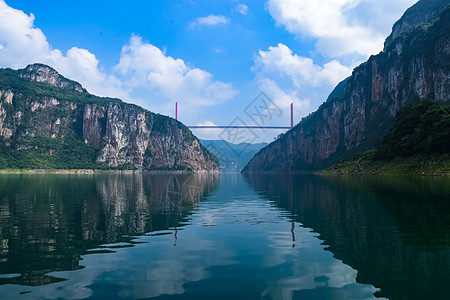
420, 128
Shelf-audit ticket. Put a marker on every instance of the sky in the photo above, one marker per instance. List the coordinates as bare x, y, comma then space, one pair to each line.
238, 62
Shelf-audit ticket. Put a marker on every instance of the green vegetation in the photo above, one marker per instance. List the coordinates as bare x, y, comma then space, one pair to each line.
366, 164
421, 9
417, 143
49, 153
422, 128
9, 80
23, 151
44, 126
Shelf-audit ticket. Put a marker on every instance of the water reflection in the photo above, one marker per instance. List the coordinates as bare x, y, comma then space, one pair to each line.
394, 231
47, 222
233, 244
204, 237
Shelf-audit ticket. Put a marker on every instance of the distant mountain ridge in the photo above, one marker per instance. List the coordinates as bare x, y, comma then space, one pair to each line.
49, 121
414, 66
232, 157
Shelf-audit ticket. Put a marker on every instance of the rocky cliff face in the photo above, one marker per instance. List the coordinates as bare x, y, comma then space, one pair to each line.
45, 74
414, 66
41, 126
421, 12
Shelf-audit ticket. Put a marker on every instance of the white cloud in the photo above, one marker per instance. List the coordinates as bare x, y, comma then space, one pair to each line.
21, 42
82, 66
24, 44
219, 50
340, 26
207, 133
301, 70
283, 99
242, 8
289, 78
142, 67
147, 67
211, 20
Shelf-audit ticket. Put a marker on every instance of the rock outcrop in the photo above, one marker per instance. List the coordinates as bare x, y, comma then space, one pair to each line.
421, 12
66, 127
414, 66
45, 74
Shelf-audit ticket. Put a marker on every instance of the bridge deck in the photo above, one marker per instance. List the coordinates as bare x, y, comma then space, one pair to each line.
238, 127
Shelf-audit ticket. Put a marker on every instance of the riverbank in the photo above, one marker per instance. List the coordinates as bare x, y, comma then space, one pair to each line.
95, 171
421, 165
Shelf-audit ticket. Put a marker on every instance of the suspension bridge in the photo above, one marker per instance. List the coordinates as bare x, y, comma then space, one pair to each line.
238, 126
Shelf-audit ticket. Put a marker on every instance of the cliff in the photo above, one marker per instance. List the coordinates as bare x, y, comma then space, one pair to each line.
421, 12
414, 66
48, 121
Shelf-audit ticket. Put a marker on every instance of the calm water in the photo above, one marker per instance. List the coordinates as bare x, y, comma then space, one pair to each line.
223, 237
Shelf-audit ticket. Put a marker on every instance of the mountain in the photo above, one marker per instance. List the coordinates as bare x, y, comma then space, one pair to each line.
423, 11
414, 66
49, 121
232, 157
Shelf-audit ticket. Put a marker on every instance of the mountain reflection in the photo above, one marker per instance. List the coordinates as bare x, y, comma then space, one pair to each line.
48, 221
394, 231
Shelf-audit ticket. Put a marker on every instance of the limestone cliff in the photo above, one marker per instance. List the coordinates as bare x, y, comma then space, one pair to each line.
421, 12
45, 74
48, 121
414, 66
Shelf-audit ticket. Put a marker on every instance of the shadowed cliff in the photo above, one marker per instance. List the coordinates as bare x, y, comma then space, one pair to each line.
415, 65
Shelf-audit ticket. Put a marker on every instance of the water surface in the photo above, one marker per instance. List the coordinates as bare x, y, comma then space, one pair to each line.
229, 236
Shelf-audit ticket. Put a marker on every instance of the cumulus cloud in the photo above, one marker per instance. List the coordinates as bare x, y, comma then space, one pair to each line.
283, 98
340, 26
290, 78
242, 9
211, 20
23, 44
301, 70
146, 66
82, 66
142, 67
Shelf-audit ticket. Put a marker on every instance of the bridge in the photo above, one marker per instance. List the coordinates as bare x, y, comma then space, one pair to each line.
238, 126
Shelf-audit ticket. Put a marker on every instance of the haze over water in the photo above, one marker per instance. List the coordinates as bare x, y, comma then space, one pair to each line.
223, 237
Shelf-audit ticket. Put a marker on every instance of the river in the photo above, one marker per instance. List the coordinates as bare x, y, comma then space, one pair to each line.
228, 236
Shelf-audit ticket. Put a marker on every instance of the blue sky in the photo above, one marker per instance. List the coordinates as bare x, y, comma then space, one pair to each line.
213, 57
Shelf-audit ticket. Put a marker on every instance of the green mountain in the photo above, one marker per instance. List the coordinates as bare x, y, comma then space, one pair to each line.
48, 121
232, 157
414, 66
